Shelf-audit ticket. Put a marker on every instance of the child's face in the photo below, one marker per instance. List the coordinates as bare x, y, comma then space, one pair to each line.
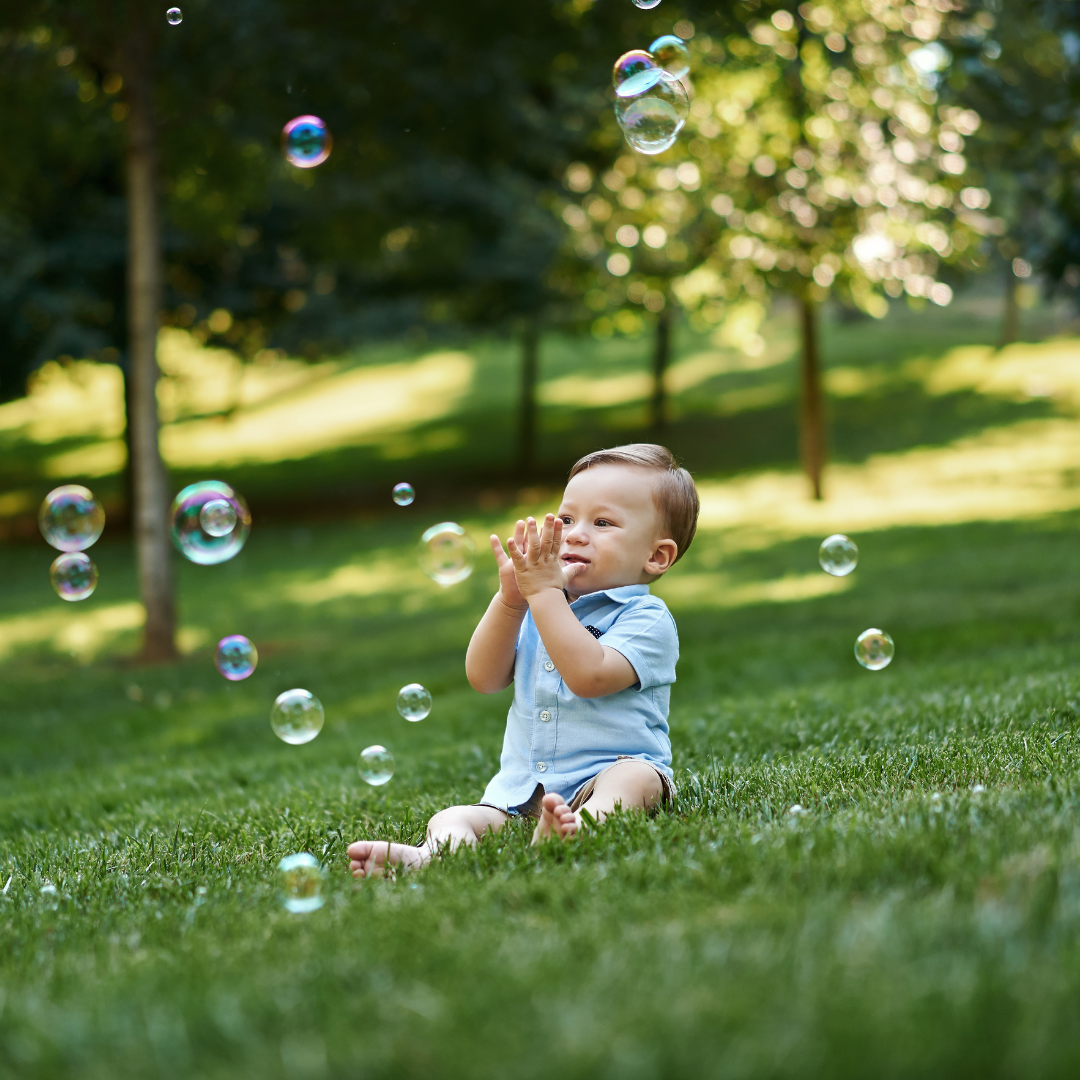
612, 526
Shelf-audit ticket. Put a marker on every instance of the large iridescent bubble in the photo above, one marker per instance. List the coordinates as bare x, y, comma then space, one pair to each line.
651, 120
306, 141
189, 533
376, 765
634, 72
73, 575
874, 649
70, 518
446, 553
672, 56
301, 879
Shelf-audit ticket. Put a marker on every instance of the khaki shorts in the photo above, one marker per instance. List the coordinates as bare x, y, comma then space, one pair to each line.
531, 808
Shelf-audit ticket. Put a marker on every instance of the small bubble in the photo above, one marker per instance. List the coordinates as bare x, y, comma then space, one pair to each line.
978, 789
73, 575
301, 879
376, 765
646, 5
671, 55
297, 717
235, 657
306, 141
838, 555
70, 518
874, 649
446, 553
414, 702
218, 517
634, 73
403, 494
175, 16
651, 120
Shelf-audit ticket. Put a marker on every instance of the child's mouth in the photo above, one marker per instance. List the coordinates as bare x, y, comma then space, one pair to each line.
575, 559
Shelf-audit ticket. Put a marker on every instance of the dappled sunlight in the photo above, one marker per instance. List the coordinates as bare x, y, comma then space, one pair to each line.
355, 407
80, 399
84, 634
373, 577
1020, 471
687, 592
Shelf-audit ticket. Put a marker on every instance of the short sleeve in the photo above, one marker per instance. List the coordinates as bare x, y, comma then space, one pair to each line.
645, 634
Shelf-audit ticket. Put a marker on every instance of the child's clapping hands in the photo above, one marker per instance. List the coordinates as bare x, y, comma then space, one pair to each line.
534, 564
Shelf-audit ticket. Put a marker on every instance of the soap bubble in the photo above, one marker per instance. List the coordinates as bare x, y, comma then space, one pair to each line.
672, 56
217, 517
235, 657
646, 5
634, 73
376, 765
190, 535
70, 518
651, 120
838, 555
297, 716
307, 142
874, 649
404, 494
446, 553
414, 702
175, 16
301, 879
73, 575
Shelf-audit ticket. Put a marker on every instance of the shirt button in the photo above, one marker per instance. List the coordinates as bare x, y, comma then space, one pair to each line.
545, 716
541, 767
548, 665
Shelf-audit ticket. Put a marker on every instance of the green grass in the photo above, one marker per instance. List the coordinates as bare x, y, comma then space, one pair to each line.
900, 925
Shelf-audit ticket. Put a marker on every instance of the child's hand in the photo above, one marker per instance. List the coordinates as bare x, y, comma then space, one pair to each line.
537, 566
508, 587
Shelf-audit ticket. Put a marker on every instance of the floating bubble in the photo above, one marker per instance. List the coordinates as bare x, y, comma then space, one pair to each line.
414, 702
175, 16
190, 535
297, 717
376, 765
73, 575
672, 56
838, 555
646, 5
306, 141
235, 657
301, 879
404, 494
651, 120
446, 553
217, 517
634, 73
874, 649
70, 518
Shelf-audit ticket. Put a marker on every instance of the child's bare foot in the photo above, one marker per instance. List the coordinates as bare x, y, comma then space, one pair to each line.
368, 858
556, 820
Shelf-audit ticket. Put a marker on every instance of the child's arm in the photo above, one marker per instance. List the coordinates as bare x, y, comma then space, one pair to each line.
588, 668
489, 663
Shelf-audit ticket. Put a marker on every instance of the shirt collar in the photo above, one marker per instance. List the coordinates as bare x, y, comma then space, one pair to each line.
620, 595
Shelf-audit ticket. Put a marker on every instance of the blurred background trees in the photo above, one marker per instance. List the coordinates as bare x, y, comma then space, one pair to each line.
855, 152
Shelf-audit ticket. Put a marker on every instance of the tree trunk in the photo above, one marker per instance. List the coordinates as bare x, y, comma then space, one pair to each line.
811, 407
129, 410
661, 359
1010, 326
149, 483
530, 362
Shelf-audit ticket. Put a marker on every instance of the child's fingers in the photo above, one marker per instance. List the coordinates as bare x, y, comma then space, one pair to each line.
515, 553
497, 550
556, 536
519, 535
545, 535
533, 538
573, 569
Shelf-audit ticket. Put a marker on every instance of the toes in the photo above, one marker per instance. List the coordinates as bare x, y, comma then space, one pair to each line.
552, 801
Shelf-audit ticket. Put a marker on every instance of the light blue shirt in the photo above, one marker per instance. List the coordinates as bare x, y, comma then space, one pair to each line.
555, 738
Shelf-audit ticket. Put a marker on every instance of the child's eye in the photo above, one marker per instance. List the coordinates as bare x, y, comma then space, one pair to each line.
601, 522
567, 520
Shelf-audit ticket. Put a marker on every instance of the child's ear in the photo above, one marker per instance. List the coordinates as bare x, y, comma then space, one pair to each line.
663, 555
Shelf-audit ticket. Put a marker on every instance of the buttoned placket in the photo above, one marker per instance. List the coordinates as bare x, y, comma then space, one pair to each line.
545, 714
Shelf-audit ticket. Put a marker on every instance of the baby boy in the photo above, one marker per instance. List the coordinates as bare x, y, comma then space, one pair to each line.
590, 652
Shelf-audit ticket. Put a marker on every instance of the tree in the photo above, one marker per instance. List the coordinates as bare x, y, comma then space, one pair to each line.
1018, 67
813, 163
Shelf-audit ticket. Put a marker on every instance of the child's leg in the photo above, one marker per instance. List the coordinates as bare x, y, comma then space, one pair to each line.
633, 785
453, 826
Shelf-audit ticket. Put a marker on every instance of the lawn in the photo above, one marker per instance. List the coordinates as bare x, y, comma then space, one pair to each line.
865, 874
